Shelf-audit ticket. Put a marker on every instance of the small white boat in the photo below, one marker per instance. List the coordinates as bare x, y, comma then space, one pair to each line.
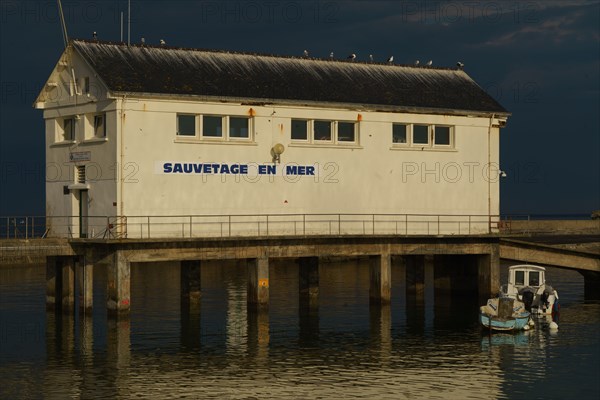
504, 314
527, 283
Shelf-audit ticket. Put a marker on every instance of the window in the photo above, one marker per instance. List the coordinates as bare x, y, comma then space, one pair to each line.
186, 125
322, 130
212, 126
100, 126
520, 278
399, 134
441, 136
346, 132
69, 129
420, 134
238, 128
534, 278
299, 129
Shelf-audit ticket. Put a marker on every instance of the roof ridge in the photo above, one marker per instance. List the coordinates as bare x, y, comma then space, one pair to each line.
222, 51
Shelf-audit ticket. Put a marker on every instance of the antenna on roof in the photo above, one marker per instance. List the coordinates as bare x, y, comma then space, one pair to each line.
62, 24
128, 22
121, 26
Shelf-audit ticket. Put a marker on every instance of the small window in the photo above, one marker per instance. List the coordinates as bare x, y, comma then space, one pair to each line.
100, 126
399, 134
69, 129
346, 132
212, 126
186, 125
534, 278
299, 129
420, 134
238, 127
322, 130
520, 278
86, 85
442, 136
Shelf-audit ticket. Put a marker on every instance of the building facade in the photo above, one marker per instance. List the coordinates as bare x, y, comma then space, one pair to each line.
155, 142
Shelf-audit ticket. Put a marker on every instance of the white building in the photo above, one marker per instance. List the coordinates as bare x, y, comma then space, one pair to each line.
159, 141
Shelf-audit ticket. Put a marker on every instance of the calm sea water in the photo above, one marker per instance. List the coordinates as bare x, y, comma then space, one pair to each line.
426, 349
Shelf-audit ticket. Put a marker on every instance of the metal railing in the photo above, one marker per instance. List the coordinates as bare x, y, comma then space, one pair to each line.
240, 225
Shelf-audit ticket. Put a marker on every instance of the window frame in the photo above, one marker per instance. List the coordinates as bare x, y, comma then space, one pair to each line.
248, 127
308, 130
354, 133
450, 136
407, 134
195, 125
103, 133
72, 130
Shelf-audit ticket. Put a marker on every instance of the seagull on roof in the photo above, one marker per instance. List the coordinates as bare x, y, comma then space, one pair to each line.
429, 63
352, 57
305, 53
143, 41
162, 42
390, 60
95, 35
417, 63
331, 55
371, 57
460, 65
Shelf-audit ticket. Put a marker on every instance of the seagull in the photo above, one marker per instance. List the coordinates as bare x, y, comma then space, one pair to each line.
460, 65
305, 53
95, 35
429, 63
417, 63
162, 42
331, 55
390, 60
143, 41
352, 57
371, 57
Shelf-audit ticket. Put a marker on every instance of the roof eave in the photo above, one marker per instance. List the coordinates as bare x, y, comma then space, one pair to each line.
308, 103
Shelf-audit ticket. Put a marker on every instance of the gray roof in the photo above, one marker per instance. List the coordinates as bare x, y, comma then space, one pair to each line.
166, 70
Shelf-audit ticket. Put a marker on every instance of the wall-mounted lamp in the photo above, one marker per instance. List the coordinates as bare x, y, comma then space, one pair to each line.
276, 152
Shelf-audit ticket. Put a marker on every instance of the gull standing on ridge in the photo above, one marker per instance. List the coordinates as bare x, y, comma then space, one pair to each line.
417, 63
429, 63
331, 55
390, 60
305, 53
352, 57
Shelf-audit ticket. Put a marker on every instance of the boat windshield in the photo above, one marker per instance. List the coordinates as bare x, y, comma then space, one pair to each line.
519, 277
534, 278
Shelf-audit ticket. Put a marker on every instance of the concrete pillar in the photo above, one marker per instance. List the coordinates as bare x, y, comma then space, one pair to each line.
380, 278
85, 282
118, 284
415, 276
53, 276
190, 283
258, 283
190, 303
488, 266
309, 281
441, 276
308, 301
67, 265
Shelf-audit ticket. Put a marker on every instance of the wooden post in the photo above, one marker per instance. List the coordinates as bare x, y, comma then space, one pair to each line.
119, 286
258, 283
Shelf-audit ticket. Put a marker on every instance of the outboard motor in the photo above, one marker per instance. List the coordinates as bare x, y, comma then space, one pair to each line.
527, 295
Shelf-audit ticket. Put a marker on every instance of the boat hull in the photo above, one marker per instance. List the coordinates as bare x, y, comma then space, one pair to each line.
504, 324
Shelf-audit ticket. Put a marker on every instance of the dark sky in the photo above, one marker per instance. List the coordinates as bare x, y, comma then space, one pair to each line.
540, 59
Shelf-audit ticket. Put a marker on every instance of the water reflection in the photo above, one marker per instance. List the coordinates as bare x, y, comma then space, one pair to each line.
423, 346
